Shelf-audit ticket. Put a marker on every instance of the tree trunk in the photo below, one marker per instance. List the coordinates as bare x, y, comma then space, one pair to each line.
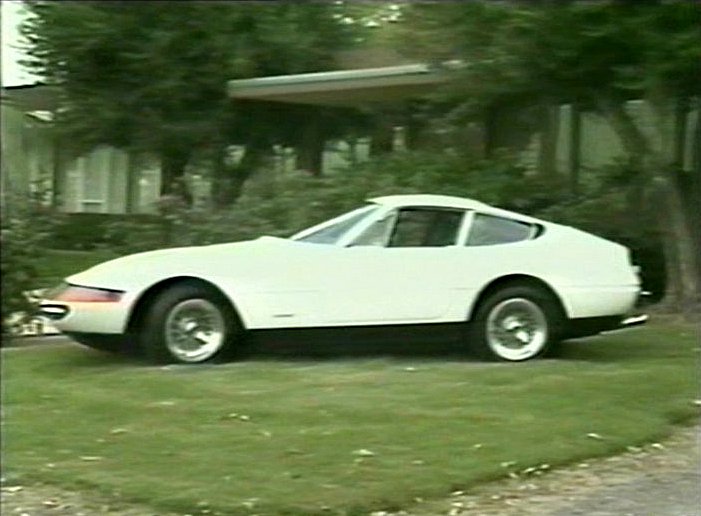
547, 158
683, 278
575, 150
382, 141
310, 151
694, 188
632, 138
132, 186
173, 163
679, 241
222, 192
413, 132
696, 145
59, 179
352, 142
689, 177
254, 157
229, 180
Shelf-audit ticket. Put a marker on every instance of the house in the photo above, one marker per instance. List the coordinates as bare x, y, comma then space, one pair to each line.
570, 140
110, 180
105, 180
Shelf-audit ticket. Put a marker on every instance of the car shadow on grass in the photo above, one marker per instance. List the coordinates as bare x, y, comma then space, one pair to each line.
330, 349
321, 351
594, 349
625, 346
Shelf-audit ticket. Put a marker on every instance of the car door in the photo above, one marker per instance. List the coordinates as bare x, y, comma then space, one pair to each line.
402, 269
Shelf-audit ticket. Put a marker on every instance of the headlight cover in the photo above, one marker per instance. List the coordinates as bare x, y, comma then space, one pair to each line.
79, 294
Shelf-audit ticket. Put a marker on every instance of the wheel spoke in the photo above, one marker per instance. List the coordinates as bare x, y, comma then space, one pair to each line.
195, 330
516, 329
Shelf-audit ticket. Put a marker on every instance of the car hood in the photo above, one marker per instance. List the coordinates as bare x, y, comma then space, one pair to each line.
134, 270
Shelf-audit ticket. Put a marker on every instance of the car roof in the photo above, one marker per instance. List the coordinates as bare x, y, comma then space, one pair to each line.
440, 201
449, 201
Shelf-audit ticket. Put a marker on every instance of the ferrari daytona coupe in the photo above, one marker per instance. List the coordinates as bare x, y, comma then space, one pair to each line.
511, 286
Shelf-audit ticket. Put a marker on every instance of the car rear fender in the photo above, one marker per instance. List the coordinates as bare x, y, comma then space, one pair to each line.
511, 280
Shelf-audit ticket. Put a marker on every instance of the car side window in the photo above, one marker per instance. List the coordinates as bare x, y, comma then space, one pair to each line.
376, 234
424, 227
331, 234
491, 230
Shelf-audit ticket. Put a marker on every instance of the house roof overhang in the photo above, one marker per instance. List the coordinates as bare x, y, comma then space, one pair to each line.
32, 97
344, 88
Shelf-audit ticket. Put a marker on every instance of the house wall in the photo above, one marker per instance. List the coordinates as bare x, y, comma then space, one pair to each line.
108, 180
104, 180
599, 143
98, 181
27, 153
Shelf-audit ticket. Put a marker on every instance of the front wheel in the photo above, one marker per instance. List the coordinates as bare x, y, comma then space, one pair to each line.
514, 324
187, 324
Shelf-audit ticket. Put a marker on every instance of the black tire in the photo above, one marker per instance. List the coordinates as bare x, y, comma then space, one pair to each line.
515, 323
166, 334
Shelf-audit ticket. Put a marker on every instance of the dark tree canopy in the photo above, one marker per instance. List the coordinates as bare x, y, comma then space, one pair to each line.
597, 55
152, 75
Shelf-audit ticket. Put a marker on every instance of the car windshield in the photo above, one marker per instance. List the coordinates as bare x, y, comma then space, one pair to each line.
330, 232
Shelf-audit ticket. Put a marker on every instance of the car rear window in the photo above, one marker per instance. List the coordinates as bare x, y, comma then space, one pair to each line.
491, 230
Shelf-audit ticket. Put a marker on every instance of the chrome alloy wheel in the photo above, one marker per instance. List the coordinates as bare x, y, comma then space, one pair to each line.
195, 330
517, 329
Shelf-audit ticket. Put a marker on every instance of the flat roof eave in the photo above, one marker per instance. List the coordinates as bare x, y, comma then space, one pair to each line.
341, 88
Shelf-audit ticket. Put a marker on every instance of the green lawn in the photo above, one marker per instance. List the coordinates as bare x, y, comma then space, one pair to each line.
333, 436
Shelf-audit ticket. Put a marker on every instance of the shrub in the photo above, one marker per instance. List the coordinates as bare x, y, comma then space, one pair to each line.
26, 228
283, 205
279, 205
106, 230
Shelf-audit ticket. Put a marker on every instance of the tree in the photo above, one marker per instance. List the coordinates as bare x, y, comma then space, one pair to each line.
151, 76
597, 56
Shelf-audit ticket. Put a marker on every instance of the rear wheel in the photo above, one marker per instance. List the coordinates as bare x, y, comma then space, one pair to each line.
188, 324
515, 323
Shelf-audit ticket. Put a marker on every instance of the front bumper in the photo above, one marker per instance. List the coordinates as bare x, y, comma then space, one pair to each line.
86, 317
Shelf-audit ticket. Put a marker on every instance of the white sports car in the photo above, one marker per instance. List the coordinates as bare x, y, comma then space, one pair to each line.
508, 284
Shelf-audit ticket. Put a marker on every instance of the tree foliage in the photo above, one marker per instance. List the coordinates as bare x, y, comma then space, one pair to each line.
597, 55
151, 76
572, 51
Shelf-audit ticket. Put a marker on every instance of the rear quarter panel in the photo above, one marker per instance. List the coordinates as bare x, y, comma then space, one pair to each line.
592, 276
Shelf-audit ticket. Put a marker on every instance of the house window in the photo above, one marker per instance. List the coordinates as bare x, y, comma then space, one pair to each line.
92, 206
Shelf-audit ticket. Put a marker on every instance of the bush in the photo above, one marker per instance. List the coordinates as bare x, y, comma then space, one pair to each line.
282, 205
18, 271
26, 228
105, 230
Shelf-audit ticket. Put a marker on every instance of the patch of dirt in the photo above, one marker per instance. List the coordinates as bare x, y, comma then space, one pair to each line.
663, 479
46, 500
